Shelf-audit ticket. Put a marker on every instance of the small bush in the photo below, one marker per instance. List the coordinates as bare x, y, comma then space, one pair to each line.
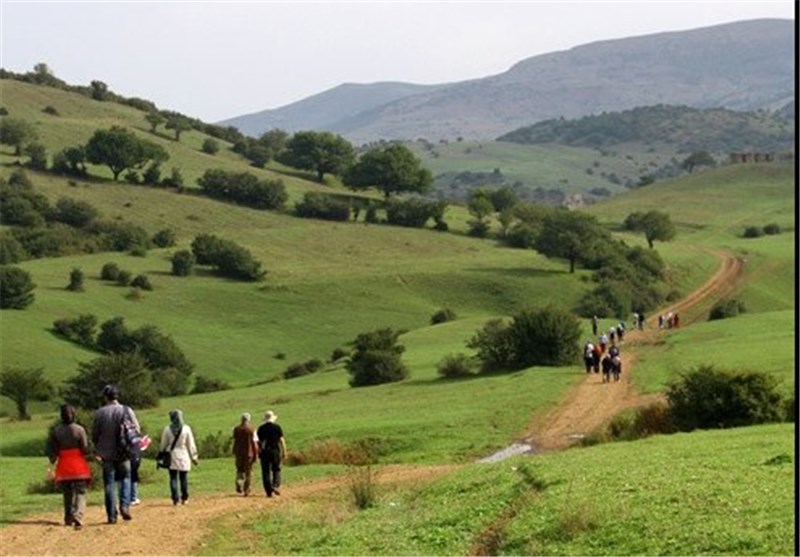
377, 359
724, 309
455, 366
215, 445
75, 280
753, 232
203, 384
478, 228
210, 146
164, 238
362, 486
110, 271
142, 282
338, 354
49, 109
182, 263
772, 228
124, 278
442, 316
295, 370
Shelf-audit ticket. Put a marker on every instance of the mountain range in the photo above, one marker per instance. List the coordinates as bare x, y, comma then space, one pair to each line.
745, 65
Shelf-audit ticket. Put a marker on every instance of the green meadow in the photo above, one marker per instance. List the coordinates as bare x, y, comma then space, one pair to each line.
327, 282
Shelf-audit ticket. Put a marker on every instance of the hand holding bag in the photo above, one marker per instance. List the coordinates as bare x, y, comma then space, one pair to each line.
163, 458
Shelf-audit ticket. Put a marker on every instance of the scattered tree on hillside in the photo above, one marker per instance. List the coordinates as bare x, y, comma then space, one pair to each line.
128, 371
120, 150
393, 169
22, 385
179, 124
155, 119
698, 158
322, 152
656, 225
100, 90
376, 359
16, 288
17, 133
570, 235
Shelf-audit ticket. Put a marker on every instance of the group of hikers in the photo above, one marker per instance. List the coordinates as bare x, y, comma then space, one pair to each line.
118, 443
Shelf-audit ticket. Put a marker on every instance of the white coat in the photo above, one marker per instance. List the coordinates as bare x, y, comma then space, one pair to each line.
185, 451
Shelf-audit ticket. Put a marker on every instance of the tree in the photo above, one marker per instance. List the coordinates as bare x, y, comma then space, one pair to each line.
655, 225
100, 90
120, 149
698, 158
570, 235
182, 263
37, 154
16, 288
75, 280
179, 124
155, 119
17, 133
321, 152
128, 371
22, 385
392, 169
376, 359
210, 146
74, 212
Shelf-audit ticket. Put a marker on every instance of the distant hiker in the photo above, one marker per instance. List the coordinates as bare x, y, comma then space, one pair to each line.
108, 421
594, 325
245, 451
616, 367
603, 343
68, 446
272, 450
641, 321
588, 356
612, 334
606, 364
670, 317
596, 358
675, 320
660, 321
635, 320
621, 331
182, 455
136, 461
613, 351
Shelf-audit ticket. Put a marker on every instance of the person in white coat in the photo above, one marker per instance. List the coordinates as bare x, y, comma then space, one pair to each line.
182, 456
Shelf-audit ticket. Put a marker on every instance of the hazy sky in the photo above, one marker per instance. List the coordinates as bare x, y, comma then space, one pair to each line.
215, 60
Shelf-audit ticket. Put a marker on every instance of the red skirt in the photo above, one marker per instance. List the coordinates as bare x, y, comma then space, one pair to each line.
72, 465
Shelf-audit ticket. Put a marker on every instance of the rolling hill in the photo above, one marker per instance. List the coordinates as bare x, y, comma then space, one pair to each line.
745, 65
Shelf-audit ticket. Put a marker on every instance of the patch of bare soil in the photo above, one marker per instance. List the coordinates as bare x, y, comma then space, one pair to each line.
159, 528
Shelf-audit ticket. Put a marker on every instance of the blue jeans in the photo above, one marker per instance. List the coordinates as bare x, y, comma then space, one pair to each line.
114, 472
173, 484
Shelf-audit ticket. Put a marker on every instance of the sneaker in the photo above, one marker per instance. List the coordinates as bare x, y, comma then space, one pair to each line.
238, 488
112, 521
125, 512
183, 501
175, 503
275, 491
78, 525
136, 502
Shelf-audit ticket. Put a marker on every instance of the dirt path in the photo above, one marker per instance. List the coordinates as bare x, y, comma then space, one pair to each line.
158, 528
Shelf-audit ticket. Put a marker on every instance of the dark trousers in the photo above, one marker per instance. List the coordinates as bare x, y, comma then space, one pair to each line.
270, 471
174, 476
74, 501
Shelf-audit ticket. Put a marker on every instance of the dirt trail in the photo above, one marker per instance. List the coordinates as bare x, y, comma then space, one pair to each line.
158, 528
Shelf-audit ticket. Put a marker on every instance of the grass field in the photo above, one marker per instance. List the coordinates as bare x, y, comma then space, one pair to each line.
328, 282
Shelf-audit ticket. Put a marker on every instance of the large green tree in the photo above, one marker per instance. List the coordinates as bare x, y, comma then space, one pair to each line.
656, 225
17, 133
392, 169
571, 235
321, 152
178, 124
16, 288
120, 149
22, 385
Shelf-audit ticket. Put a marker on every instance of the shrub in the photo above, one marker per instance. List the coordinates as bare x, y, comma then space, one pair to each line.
16, 288
142, 282
492, 344
75, 213
243, 188
726, 308
204, 384
706, 397
124, 278
152, 175
75, 280
412, 212
295, 370
110, 271
376, 359
164, 238
126, 371
478, 228
752, 232
210, 146
82, 329
442, 316
321, 206
229, 259
338, 354
182, 263
455, 366
362, 486
547, 336
772, 228
215, 445
11, 250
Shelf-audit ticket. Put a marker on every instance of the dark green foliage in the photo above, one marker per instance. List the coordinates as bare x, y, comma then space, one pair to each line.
371, 216
155, 119
16, 288
753, 232
204, 384
70, 161
37, 154
152, 175
175, 179
22, 385
570, 235
243, 188
81, 329
706, 397
442, 316
612, 298
110, 271
75, 213
771, 229
393, 169
305, 368
182, 263
177, 123
164, 238
142, 282
210, 146
413, 212
16, 133
478, 228
493, 344
320, 152
455, 366
318, 205
338, 354
377, 359
19, 210
11, 250
120, 150
229, 259
724, 309
215, 445
53, 241
697, 159
75, 280
128, 371
656, 225
124, 277
119, 235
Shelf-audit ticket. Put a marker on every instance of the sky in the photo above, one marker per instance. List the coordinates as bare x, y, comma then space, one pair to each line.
217, 60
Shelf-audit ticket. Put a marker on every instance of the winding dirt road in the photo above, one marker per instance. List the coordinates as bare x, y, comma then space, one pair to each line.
158, 528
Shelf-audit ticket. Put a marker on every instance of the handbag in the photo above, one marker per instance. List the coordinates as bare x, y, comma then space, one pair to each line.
163, 458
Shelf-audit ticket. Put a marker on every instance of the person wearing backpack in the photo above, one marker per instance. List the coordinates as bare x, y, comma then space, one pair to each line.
179, 439
111, 450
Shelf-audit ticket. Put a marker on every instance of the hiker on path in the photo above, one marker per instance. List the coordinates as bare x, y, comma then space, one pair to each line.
116, 463
136, 461
272, 450
182, 455
606, 364
675, 320
594, 325
660, 321
67, 447
588, 356
603, 343
621, 330
612, 335
245, 451
616, 367
641, 321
